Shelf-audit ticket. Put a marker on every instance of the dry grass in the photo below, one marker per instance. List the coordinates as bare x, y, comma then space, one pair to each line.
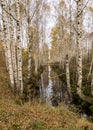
38, 116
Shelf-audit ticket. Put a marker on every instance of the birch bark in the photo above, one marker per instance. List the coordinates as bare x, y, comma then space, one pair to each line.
29, 41
19, 49
13, 45
7, 44
68, 77
79, 46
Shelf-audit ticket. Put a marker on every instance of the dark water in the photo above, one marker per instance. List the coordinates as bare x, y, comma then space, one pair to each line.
52, 89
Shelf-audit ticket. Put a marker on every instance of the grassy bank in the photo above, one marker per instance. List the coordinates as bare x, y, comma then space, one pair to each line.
37, 116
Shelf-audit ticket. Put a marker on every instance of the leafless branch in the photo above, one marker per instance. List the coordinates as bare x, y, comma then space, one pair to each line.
84, 7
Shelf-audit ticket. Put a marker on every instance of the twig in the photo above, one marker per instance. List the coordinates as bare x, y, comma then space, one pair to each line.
83, 8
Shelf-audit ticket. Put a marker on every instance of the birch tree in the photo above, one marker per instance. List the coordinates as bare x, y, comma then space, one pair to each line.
13, 43
79, 50
79, 45
7, 44
68, 77
29, 40
37, 19
19, 50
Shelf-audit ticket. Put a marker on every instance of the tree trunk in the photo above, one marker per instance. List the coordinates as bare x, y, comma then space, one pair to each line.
36, 63
29, 41
19, 49
79, 57
90, 69
68, 77
92, 84
79, 45
13, 45
7, 44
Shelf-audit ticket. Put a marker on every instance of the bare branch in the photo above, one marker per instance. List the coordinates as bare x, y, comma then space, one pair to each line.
84, 7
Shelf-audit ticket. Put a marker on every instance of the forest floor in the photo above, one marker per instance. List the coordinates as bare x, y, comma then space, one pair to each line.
34, 115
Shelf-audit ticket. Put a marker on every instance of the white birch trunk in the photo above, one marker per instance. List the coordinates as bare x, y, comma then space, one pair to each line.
79, 46
29, 41
19, 49
79, 56
13, 45
14, 62
36, 63
7, 44
68, 77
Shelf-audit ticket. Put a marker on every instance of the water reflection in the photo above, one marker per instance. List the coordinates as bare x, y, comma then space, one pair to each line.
52, 89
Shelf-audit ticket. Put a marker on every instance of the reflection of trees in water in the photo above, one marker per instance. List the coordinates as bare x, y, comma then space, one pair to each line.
43, 84
53, 90
60, 93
